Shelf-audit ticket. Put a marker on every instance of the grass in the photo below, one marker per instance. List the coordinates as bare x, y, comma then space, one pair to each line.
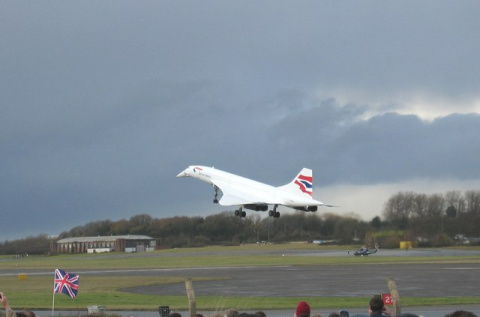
183, 259
36, 291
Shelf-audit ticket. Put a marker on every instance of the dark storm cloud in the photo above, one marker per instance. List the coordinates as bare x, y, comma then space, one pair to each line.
390, 147
102, 104
398, 147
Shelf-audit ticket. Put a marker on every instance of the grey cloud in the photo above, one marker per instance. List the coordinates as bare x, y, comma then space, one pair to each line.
102, 104
130, 166
336, 140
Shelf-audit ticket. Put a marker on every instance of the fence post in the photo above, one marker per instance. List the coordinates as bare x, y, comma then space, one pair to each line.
392, 286
192, 305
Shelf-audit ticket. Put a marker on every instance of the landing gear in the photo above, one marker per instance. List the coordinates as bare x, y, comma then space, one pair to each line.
215, 198
240, 213
274, 213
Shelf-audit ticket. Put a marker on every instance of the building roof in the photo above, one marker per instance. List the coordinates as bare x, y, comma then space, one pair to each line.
104, 238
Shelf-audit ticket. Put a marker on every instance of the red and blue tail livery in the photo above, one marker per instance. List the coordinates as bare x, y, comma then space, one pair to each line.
305, 183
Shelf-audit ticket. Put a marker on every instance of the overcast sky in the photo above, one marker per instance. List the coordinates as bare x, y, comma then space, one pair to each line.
102, 103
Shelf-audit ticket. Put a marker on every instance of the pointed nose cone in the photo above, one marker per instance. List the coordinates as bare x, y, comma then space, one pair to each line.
182, 174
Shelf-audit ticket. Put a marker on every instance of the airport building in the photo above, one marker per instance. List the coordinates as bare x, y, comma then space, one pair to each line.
124, 243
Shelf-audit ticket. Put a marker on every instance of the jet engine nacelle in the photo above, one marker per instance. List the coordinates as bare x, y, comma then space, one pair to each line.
257, 207
307, 208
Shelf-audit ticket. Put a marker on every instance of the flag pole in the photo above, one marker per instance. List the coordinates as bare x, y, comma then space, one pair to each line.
53, 305
53, 300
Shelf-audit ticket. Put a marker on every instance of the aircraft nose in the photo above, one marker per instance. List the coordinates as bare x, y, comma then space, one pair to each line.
183, 173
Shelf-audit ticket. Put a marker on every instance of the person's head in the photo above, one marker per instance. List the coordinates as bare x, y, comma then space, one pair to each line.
376, 304
303, 310
174, 315
29, 313
231, 313
344, 313
334, 315
260, 314
461, 313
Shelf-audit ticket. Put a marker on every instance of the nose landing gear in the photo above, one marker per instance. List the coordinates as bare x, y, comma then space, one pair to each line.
215, 198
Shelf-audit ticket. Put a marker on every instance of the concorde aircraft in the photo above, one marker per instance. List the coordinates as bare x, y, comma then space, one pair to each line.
250, 194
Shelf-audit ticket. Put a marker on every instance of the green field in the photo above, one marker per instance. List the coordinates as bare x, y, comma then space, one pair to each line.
36, 290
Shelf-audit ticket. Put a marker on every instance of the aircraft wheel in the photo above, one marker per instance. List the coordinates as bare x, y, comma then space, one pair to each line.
244, 214
277, 215
215, 201
270, 213
237, 212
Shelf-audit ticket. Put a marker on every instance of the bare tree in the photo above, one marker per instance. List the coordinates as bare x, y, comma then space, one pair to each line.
399, 206
472, 199
454, 199
436, 205
420, 205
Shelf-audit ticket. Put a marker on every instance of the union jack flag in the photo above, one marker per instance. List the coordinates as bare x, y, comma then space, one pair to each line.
66, 283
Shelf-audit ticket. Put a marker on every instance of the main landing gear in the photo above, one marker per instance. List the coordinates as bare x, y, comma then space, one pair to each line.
274, 213
240, 213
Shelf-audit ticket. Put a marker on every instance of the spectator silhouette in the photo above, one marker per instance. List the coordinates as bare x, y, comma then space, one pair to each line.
344, 313
461, 313
8, 310
231, 313
377, 307
303, 310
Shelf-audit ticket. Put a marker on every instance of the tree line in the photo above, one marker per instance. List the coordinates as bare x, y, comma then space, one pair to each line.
437, 218
431, 220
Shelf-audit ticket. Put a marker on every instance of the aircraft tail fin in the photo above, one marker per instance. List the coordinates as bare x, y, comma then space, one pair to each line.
302, 183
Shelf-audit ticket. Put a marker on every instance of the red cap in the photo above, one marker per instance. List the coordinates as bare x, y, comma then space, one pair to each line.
302, 309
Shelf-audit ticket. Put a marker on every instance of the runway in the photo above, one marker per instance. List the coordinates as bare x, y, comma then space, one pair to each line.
345, 280
424, 280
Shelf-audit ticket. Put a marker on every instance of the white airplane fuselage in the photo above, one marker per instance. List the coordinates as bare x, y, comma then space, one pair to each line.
244, 192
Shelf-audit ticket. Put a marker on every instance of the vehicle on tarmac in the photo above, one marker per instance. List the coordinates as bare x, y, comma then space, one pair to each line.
366, 251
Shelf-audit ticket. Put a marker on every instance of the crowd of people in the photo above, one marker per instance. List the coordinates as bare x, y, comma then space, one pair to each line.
376, 308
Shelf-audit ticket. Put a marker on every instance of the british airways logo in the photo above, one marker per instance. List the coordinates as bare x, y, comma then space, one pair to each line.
200, 172
305, 183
